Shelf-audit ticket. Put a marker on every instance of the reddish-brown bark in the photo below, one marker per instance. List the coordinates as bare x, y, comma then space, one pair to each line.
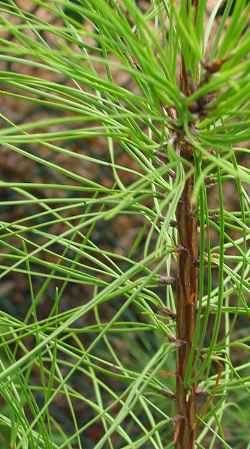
185, 317
186, 297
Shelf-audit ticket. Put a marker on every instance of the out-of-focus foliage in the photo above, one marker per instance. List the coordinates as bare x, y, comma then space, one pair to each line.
92, 210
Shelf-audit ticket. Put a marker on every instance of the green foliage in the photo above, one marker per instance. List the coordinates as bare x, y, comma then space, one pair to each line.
99, 373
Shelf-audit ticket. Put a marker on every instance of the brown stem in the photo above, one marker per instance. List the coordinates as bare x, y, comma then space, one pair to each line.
186, 297
185, 316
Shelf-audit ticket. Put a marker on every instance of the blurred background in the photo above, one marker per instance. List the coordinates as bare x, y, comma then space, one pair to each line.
119, 237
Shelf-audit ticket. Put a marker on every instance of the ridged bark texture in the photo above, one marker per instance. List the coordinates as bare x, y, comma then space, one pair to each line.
187, 289
185, 316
